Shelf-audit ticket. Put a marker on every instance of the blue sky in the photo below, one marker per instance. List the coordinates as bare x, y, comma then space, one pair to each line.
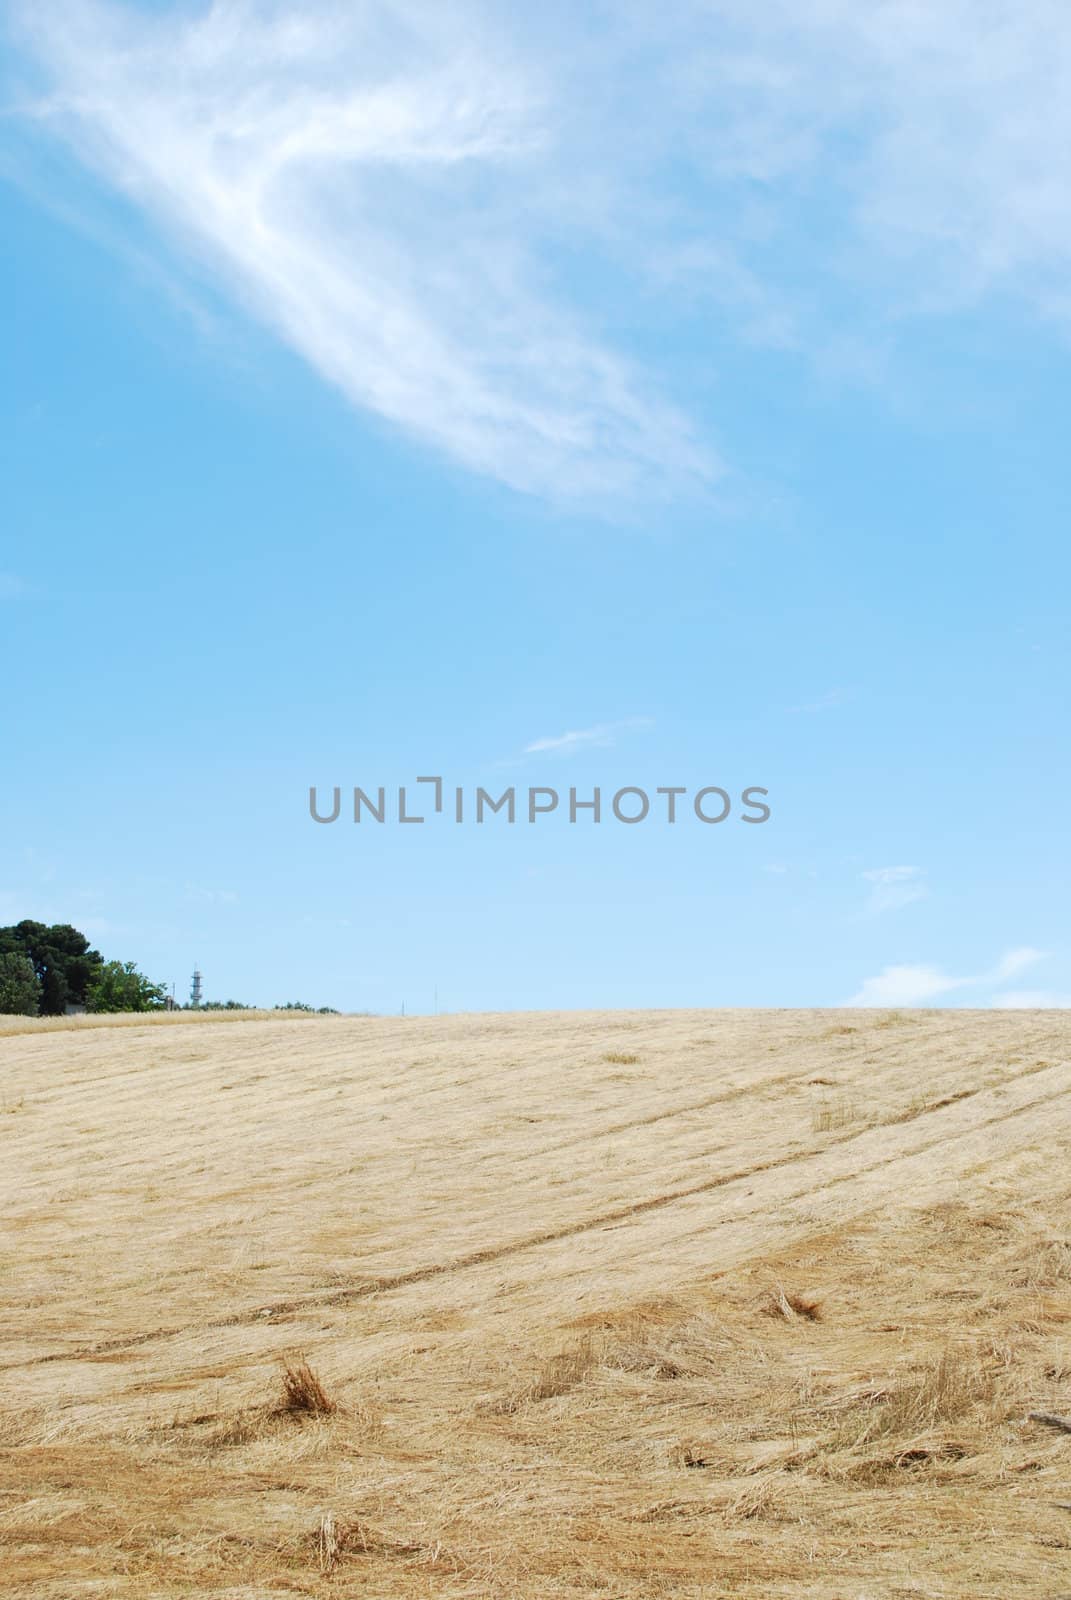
634, 395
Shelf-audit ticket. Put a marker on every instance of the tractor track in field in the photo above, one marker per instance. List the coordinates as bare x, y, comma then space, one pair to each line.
388, 1283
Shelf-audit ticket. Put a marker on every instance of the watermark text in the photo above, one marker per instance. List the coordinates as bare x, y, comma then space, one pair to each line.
428, 798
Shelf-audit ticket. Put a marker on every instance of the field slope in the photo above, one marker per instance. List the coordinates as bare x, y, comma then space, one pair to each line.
606, 1304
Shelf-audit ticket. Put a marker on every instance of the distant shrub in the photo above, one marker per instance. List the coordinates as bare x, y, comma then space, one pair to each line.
119, 986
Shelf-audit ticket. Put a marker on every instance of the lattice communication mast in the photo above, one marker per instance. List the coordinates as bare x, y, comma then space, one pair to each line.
196, 992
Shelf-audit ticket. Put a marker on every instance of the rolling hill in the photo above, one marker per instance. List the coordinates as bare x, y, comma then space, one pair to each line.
581, 1304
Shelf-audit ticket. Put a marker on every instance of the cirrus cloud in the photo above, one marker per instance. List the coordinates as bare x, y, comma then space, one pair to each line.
446, 208
603, 735
894, 887
354, 176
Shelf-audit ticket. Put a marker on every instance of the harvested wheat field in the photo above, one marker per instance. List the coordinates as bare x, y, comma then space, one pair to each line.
596, 1305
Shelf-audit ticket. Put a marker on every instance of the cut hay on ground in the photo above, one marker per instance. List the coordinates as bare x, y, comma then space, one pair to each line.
600, 1306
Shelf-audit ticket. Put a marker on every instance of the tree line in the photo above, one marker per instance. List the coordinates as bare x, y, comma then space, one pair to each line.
44, 969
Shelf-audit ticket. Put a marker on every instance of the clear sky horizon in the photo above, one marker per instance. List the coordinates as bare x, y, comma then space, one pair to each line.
624, 396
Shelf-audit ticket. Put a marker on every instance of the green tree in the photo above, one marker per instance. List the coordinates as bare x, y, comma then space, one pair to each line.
62, 960
119, 986
20, 987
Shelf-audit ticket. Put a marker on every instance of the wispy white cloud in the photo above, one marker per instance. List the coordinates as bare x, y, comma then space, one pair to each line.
1018, 960
357, 175
934, 130
906, 986
894, 887
402, 190
919, 985
605, 733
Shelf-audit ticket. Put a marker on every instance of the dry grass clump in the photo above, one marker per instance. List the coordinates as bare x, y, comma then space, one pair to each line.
647, 1352
758, 1498
301, 1397
679, 1343
944, 1391
303, 1391
621, 1058
833, 1116
335, 1539
563, 1372
1047, 1267
957, 1387
666, 1340
328, 1544
301, 1394
555, 1376
779, 1302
